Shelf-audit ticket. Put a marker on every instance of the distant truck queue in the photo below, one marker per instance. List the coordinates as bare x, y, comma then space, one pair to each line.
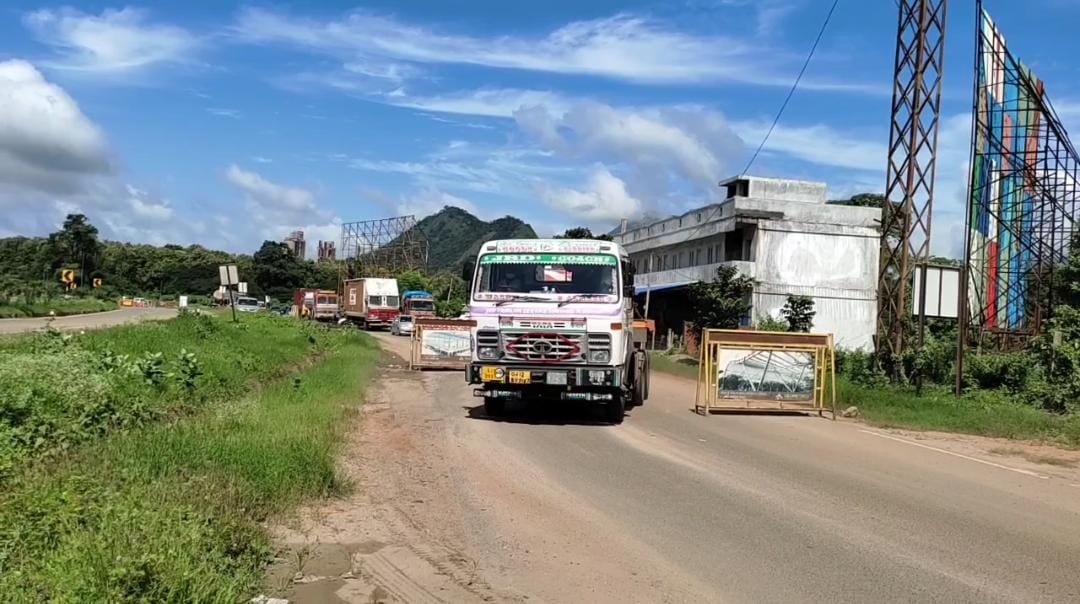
368, 303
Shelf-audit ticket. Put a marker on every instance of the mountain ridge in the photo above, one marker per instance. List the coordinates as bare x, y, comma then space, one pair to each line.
454, 235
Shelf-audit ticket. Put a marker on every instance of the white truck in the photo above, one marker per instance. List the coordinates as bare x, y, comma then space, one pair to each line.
554, 320
371, 302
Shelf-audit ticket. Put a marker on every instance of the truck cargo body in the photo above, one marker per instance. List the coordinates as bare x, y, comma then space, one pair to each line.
371, 302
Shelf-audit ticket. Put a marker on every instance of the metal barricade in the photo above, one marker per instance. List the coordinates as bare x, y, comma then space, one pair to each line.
744, 370
441, 343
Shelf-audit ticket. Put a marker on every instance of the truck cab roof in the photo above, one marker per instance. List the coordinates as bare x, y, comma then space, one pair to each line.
553, 246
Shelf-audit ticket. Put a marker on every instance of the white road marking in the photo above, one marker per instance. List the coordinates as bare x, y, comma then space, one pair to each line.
960, 455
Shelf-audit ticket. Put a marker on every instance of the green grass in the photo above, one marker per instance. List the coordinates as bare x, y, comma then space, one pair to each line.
682, 366
985, 413
58, 306
172, 511
59, 390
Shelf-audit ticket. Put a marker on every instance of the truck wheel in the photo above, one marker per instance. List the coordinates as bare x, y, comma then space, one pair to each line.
637, 392
615, 409
494, 406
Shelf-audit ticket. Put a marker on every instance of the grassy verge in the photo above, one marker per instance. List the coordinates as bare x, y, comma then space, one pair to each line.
984, 413
681, 366
59, 307
171, 511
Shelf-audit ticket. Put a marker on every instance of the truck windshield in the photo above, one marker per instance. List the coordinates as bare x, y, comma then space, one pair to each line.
549, 274
327, 300
421, 305
383, 301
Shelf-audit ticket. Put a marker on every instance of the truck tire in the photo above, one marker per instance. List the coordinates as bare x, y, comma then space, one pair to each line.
615, 409
494, 406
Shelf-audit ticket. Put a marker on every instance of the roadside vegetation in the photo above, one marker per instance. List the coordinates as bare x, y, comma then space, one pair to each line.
139, 462
1031, 393
18, 307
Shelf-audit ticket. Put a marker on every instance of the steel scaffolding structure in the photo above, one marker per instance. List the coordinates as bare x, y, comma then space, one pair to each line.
1024, 194
383, 247
909, 191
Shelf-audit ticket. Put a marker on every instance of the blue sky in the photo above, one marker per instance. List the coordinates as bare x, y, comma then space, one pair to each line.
228, 124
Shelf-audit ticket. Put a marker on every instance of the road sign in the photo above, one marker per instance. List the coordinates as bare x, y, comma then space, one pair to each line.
97, 282
228, 274
242, 287
67, 275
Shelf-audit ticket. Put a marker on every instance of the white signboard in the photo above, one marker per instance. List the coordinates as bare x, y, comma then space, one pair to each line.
183, 301
228, 274
241, 286
942, 291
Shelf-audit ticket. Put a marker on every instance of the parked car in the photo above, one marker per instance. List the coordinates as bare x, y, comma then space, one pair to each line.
402, 326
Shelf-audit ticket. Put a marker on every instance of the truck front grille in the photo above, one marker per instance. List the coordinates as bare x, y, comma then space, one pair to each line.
544, 346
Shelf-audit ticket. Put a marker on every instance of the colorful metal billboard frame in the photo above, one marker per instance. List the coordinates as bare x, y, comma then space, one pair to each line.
1023, 194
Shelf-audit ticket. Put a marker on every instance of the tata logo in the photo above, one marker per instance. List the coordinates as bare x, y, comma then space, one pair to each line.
542, 348
543, 325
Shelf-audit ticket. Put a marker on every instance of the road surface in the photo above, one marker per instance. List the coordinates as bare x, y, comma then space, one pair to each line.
87, 321
550, 506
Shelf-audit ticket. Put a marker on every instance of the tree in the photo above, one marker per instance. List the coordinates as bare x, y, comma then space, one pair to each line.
583, 233
276, 270
723, 302
799, 312
76, 244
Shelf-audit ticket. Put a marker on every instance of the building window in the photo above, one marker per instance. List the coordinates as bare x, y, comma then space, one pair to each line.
709, 255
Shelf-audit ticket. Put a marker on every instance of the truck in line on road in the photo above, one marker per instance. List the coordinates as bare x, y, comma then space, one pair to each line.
416, 303
554, 320
317, 304
371, 302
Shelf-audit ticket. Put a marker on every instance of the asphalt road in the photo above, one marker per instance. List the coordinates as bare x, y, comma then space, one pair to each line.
87, 321
671, 506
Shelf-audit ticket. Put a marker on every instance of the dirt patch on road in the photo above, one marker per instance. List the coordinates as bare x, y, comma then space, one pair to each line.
395, 539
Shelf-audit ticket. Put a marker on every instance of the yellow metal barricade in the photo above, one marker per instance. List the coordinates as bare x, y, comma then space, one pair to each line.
743, 370
441, 343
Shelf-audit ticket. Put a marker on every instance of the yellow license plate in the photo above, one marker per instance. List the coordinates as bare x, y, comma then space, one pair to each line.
490, 374
520, 377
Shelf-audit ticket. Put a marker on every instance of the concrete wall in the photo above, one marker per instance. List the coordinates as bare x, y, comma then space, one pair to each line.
838, 271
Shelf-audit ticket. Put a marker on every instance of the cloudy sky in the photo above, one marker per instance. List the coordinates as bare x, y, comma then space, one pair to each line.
229, 124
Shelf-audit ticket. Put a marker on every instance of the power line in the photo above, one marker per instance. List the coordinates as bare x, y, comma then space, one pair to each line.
794, 86
779, 114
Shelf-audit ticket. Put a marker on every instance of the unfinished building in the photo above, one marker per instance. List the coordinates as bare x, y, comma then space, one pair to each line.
784, 235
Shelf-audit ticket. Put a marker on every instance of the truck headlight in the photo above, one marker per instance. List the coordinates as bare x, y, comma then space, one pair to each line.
487, 352
599, 356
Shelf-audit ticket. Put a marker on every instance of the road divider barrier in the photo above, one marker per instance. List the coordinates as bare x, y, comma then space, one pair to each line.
441, 343
745, 370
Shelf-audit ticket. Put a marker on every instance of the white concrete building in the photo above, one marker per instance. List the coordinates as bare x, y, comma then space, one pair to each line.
784, 235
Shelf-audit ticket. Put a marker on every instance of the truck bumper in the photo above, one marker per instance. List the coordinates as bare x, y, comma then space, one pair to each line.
577, 382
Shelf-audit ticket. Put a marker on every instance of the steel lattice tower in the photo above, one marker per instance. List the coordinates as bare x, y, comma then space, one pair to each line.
909, 191
382, 248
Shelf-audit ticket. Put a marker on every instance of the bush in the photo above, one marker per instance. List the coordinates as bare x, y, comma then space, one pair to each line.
1008, 371
767, 323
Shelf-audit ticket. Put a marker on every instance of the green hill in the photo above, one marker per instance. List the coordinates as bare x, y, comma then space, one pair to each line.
455, 235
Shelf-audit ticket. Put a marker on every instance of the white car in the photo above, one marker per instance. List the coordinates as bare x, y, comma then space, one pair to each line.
402, 326
246, 304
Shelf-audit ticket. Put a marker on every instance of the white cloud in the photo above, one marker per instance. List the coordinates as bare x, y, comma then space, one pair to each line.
46, 142
819, 144
223, 112
270, 196
664, 150
430, 200
603, 200
115, 41
274, 209
623, 47
488, 102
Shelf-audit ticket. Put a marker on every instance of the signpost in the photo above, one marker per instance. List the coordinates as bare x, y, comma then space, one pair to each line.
229, 277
